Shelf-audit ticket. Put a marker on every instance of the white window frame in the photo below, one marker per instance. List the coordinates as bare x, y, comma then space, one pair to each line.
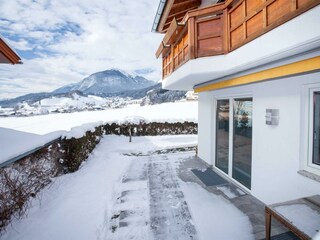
231, 98
307, 129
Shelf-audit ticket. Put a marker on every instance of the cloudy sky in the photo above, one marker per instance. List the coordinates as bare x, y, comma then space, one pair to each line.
63, 41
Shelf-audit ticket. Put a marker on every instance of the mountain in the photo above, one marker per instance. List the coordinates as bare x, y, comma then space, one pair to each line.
157, 95
108, 89
107, 82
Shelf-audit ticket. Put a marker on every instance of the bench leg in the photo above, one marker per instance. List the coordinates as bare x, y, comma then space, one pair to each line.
268, 225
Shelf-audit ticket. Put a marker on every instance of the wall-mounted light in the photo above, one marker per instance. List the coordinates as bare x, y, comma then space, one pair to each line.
272, 117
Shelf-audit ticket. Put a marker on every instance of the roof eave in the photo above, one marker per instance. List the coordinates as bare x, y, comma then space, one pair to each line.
159, 13
9, 53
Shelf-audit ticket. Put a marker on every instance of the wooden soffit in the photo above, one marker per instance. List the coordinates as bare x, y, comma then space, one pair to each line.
175, 9
7, 55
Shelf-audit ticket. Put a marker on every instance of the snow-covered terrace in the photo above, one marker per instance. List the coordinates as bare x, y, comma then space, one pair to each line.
143, 190
132, 191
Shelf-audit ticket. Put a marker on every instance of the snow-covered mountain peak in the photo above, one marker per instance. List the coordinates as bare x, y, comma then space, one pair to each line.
109, 81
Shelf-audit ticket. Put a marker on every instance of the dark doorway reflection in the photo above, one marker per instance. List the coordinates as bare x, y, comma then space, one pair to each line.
242, 141
222, 135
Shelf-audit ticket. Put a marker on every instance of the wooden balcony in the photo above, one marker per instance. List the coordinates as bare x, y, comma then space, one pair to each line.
224, 27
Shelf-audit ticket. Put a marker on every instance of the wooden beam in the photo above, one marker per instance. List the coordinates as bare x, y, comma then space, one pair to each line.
174, 30
165, 14
176, 9
171, 29
216, 8
184, 5
183, 12
191, 38
225, 33
161, 49
179, 20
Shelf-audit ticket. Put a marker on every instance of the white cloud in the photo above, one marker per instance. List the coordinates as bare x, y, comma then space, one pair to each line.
64, 41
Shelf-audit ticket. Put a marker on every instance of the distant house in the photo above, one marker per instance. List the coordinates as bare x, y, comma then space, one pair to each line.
256, 67
7, 54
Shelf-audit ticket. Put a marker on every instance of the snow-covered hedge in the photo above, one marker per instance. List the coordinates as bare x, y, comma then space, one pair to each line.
23, 179
151, 129
77, 149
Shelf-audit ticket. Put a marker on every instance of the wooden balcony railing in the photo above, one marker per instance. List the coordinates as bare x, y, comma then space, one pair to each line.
222, 28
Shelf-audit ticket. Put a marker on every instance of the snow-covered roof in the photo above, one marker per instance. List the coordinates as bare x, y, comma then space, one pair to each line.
7, 53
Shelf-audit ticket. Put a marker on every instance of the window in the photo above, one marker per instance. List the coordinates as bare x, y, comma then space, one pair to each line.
310, 140
316, 129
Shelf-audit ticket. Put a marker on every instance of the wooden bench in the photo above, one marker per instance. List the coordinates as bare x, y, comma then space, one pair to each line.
312, 202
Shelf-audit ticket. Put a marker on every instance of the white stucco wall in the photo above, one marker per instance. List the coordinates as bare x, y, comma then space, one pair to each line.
205, 131
276, 152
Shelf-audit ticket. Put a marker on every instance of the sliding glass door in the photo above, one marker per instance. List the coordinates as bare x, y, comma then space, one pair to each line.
222, 135
242, 141
233, 153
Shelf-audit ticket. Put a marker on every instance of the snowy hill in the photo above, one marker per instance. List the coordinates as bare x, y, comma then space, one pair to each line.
103, 90
75, 100
106, 82
63, 103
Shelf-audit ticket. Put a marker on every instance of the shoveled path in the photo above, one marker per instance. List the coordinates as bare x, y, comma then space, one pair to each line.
150, 203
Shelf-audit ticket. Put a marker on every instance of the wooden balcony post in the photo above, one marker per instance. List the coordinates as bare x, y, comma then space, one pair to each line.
191, 39
264, 17
294, 5
172, 58
225, 31
244, 4
163, 67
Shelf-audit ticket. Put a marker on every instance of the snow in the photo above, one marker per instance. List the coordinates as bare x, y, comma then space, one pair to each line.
166, 112
227, 192
79, 131
22, 134
215, 217
82, 205
302, 216
74, 207
15, 143
75, 101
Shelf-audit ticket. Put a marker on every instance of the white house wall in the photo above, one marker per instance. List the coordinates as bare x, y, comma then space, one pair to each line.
276, 153
205, 131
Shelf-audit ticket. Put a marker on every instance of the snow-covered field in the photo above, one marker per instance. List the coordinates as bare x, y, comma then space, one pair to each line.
170, 112
116, 195
21, 134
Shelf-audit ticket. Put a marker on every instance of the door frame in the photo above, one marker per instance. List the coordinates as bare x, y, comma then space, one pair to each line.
231, 98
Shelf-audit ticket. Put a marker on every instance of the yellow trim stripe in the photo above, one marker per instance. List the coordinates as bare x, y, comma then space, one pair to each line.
307, 65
